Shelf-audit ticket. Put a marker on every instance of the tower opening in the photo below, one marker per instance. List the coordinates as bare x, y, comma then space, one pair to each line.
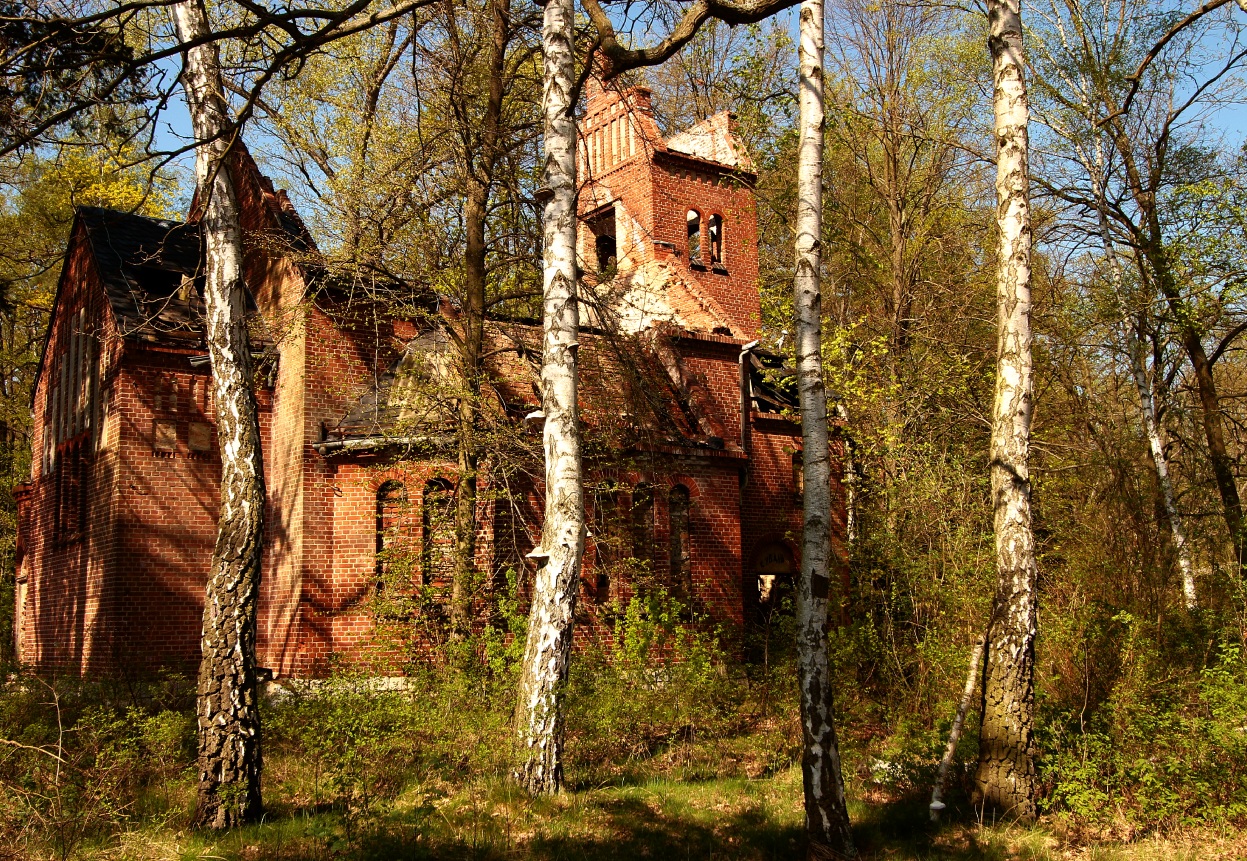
605, 246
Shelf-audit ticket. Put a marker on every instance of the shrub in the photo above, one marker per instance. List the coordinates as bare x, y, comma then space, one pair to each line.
664, 681
1167, 748
75, 762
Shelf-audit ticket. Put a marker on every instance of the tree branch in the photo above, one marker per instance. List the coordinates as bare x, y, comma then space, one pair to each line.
1137, 76
617, 59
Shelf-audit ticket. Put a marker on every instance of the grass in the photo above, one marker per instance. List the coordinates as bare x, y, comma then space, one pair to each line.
661, 818
695, 765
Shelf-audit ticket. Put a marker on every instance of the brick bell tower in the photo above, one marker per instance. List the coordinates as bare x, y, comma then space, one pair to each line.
668, 228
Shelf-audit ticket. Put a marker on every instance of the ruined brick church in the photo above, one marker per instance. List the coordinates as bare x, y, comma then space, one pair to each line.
694, 467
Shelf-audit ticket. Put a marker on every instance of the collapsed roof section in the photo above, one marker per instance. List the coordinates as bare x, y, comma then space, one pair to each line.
631, 397
772, 383
713, 139
658, 293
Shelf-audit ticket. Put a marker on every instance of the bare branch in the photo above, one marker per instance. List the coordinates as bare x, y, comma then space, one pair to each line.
616, 59
1137, 76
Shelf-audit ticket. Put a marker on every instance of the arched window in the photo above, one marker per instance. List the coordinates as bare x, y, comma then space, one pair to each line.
716, 240
391, 505
438, 556
605, 247
610, 540
681, 558
694, 236
642, 521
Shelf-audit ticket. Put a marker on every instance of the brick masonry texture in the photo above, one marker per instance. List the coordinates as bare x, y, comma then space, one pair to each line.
117, 522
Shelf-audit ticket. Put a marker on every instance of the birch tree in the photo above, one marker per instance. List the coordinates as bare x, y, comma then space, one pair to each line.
1146, 157
547, 651
826, 813
1136, 354
1062, 74
1006, 779
1126, 167
228, 707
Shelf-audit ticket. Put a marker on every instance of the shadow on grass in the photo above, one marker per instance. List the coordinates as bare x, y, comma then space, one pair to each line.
902, 829
628, 827
600, 825
663, 822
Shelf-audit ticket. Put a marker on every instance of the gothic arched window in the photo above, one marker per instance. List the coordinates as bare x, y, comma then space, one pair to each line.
715, 232
391, 505
694, 236
642, 521
610, 540
681, 556
438, 556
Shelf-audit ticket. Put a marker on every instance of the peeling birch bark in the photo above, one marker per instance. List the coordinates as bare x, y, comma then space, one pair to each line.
826, 813
547, 651
1006, 779
228, 708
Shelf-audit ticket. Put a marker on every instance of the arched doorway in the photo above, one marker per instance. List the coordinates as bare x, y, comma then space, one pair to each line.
772, 576
770, 582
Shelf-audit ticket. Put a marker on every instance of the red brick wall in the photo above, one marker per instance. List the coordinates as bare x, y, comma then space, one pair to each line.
658, 187
166, 509
60, 616
683, 183
126, 591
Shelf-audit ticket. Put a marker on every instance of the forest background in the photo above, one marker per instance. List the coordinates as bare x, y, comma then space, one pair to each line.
1140, 667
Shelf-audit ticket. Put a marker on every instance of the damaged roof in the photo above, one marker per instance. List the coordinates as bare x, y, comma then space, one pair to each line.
150, 271
713, 139
628, 399
772, 383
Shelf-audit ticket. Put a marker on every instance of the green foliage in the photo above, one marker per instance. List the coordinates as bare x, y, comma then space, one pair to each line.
1166, 748
502, 643
665, 682
356, 738
78, 761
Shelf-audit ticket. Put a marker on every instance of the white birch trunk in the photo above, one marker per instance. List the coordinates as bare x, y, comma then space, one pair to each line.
1006, 780
954, 735
826, 813
539, 711
228, 709
1136, 351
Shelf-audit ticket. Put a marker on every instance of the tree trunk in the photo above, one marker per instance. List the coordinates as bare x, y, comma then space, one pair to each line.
1149, 238
826, 813
228, 708
1136, 351
539, 712
476, 209
1006, 780
954, 735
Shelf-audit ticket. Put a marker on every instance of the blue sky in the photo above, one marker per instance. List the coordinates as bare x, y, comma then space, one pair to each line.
1230, 120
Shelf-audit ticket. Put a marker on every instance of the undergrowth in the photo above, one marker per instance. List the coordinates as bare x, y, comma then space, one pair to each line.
674, 746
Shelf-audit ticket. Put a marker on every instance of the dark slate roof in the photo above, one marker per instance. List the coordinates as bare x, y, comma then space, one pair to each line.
406, 396
150, 271
627, 398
